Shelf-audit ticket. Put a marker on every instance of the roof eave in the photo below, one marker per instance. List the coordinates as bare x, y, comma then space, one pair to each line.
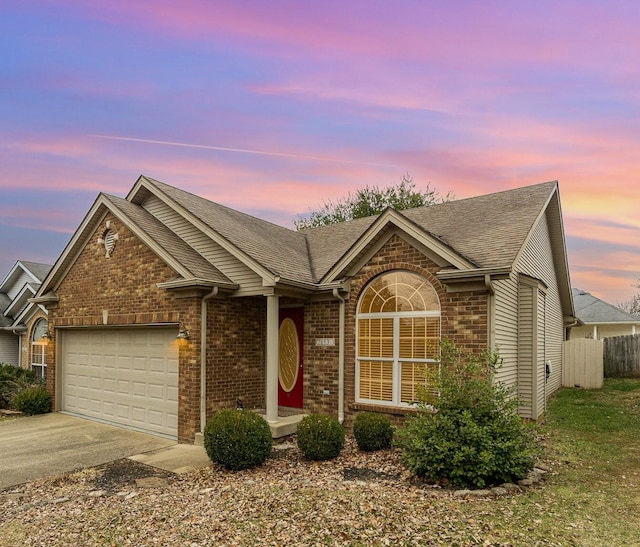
453, 276
192, 283
48, 298
586, 323
11, 309
17, 329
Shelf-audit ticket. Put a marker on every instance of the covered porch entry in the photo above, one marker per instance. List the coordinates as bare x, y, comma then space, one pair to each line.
284, 379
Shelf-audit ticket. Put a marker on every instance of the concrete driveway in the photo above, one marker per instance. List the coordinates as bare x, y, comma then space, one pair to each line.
39, 446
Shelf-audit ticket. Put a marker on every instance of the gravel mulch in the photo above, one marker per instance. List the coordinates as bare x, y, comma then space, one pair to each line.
357, 499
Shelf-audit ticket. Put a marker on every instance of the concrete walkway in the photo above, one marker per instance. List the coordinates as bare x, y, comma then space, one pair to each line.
34, 447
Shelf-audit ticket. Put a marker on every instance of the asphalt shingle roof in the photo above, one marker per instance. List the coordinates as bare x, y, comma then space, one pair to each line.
168, 240
38, 269
281, 250
327, 244
488, 230
4, 304
590, 309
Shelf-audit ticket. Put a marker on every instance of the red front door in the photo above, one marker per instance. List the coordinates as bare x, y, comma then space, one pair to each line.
290, 346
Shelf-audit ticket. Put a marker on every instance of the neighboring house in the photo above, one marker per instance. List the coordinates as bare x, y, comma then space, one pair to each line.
22, 323
599, 319
165, 307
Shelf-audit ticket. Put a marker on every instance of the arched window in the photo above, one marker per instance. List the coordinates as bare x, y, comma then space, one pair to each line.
39, 348
398, 338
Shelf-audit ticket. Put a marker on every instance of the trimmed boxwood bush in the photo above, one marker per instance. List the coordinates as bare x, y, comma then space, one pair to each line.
320, 437
237, 439
32, 400
373, 431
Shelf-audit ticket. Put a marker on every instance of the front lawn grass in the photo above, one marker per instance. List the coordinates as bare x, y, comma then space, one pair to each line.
592, 497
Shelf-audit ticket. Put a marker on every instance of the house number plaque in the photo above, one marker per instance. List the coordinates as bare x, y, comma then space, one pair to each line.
325, 341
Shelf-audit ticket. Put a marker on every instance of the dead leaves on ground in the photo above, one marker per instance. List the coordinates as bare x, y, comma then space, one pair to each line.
357, 499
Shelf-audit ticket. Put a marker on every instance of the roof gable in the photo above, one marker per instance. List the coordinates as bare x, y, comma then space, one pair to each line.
379, 230
263, 246
166, 244
186, 262
28, 271
21, 301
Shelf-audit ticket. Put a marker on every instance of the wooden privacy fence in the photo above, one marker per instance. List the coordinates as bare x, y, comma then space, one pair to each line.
622, 356
582, 363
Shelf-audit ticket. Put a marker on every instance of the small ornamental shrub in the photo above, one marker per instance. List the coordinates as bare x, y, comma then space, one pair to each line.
471, 435
320, 437
32, 400
12, 380
373, 431
237, 439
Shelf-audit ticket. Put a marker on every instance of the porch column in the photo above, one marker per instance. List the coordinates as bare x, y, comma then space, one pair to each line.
271, 396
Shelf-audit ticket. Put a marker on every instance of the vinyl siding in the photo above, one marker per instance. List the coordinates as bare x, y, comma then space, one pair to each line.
540, 376
9, 349
537, 262
526, 351
250, 283
17, 286
506, 328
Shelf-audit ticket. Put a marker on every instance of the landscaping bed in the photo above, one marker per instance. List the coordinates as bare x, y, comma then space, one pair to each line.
589, 496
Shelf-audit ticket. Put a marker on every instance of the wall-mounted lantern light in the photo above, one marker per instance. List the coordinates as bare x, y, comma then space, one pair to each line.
183, 335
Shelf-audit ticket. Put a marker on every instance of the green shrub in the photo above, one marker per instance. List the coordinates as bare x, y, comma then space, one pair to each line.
473, 436
320, 437
32, 400
13, 380
237, 439
373, 431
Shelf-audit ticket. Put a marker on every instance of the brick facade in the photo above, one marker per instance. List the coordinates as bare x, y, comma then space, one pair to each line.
236, 353
321, 320
463, 320
121, 291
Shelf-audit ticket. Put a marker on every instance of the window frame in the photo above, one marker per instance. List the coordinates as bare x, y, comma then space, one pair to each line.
41, 346
396, 359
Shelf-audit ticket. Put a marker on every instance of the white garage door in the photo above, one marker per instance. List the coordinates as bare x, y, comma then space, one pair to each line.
126, 377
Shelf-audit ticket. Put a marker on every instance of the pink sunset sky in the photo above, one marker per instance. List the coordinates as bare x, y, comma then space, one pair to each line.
273, 107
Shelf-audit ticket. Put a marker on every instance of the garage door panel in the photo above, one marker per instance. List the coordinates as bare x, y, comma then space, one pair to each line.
127, 377
140, 364
157, 391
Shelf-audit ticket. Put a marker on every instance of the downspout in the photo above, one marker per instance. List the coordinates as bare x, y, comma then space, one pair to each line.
203, 357
491, 290
341, 314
